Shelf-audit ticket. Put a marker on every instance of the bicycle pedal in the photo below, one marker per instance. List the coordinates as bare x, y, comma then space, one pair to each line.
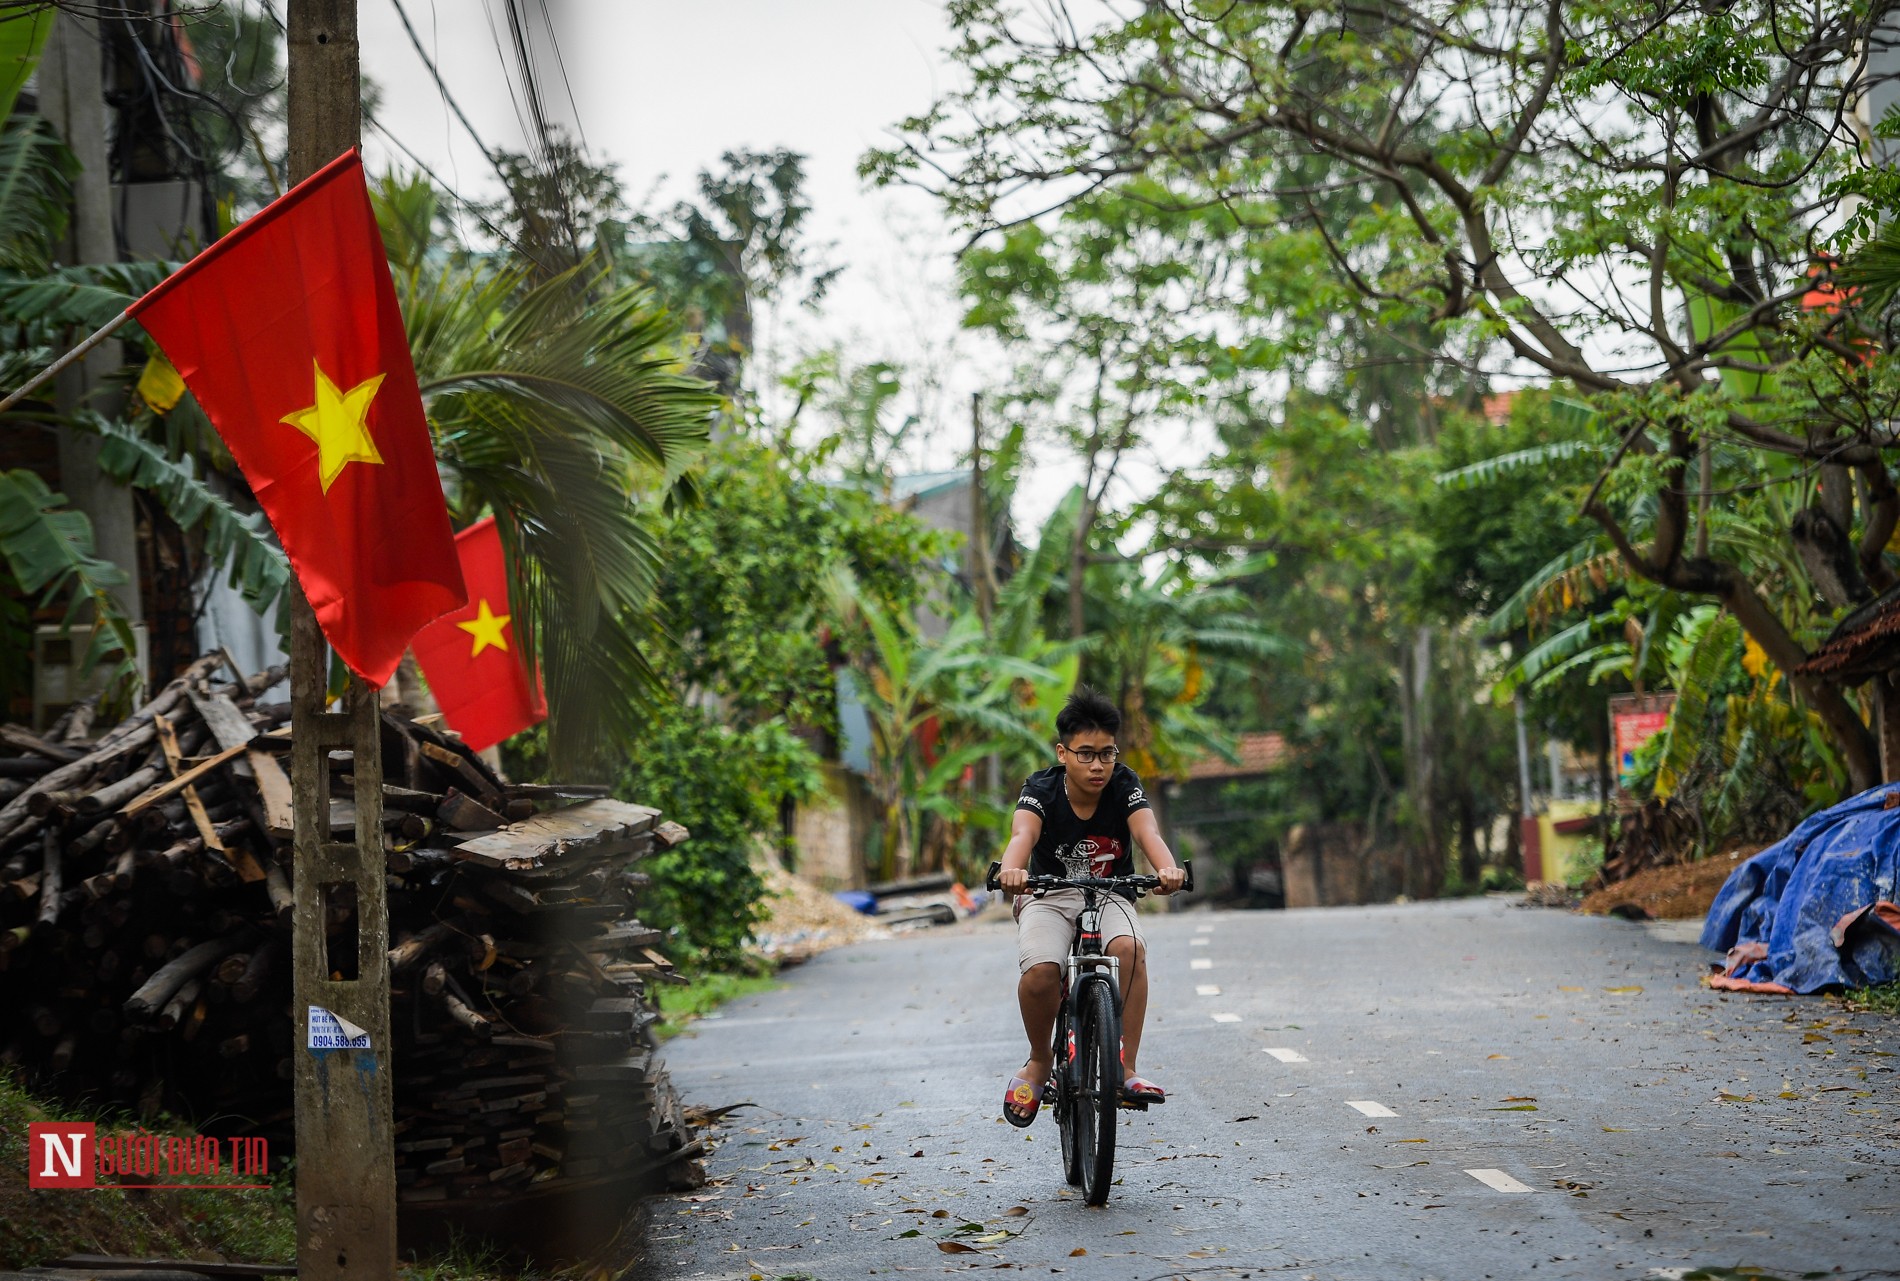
1133, 1105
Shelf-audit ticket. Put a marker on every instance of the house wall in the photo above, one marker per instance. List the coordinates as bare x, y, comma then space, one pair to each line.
831, 831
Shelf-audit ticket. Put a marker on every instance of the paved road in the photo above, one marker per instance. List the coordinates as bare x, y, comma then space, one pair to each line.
1622, 1121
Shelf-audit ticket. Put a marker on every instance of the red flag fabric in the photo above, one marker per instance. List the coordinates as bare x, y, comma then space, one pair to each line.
476, 671
288, 333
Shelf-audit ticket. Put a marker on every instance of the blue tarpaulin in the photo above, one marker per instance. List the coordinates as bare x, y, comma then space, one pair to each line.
1816, 910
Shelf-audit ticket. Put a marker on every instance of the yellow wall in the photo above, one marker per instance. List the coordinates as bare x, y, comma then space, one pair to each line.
1560, 852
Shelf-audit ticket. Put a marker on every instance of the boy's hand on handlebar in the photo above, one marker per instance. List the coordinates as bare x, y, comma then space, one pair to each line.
1014, 880
1171, 878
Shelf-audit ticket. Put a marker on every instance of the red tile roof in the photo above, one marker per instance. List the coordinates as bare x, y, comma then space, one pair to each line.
1258, 753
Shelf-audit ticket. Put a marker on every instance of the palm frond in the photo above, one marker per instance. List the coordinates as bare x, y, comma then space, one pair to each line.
1489, 470
240, 541
48, 547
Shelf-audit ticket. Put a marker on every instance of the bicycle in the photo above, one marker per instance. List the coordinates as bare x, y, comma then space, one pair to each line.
1087, 1079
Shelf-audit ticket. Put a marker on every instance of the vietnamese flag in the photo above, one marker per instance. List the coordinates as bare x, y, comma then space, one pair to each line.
474, 663
288, 333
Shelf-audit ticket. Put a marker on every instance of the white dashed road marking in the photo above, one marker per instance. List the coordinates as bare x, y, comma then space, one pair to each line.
1206, 989
1200, 963
1366, 1107
1227, 1018
1203, 929
1288, 1056
1197, 942
1497, 1180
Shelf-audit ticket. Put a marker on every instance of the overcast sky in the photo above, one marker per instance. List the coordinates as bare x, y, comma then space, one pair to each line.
661, 89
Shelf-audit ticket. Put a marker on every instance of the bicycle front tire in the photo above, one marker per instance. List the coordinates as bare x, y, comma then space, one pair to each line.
1098, 1042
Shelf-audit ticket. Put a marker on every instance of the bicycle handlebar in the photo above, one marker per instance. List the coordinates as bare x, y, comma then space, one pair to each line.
1044, 884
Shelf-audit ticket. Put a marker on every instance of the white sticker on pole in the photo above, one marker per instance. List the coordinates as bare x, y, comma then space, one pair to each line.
333, 1032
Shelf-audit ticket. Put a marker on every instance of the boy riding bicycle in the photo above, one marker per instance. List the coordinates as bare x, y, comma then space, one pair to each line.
1078, 818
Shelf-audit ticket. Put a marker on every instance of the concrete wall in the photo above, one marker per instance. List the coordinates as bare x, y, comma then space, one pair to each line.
831, 831
1327, 865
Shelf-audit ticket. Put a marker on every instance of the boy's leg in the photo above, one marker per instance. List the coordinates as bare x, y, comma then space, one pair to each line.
1039, 993
1043, 930
1134, 966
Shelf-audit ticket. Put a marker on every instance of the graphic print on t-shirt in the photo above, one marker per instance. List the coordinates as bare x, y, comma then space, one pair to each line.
1090, 856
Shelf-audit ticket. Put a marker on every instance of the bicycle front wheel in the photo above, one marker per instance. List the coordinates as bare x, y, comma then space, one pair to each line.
1098, 1046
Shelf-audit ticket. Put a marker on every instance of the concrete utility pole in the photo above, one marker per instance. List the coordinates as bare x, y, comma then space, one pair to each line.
72, 98
346, 1174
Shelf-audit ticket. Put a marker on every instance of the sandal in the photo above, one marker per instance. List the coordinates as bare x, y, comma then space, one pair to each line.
1141, 1090
1022, 1094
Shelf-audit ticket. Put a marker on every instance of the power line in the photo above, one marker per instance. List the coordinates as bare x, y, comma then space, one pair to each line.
448, 98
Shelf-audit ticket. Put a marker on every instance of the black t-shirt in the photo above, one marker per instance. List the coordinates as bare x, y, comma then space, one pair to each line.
1096, 846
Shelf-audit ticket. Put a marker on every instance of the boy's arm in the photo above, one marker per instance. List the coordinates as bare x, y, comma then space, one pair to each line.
1025, 829
1147, 834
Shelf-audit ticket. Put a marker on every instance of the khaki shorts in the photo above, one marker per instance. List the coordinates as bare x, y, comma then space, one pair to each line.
1045, 926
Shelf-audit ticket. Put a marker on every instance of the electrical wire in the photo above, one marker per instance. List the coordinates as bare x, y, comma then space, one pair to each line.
448, 99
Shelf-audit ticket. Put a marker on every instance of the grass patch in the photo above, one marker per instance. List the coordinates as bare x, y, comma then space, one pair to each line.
680, 1006
1883, 998
41, 1224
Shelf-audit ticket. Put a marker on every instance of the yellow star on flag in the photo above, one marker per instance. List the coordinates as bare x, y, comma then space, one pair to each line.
488, 628
338, 423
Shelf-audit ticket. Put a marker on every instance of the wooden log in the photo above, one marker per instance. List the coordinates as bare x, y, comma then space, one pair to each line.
180, 1005
277, 885
43, 804
25, 766
50, 861
411, 950
113, 795
174, 974
25, 740
462, 1014
134, 732
434, 978
257, 970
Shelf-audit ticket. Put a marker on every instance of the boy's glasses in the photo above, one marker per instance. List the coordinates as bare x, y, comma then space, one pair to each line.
1089, 755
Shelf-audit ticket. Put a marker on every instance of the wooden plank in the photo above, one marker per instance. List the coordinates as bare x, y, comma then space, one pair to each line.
483, 788
232, 728
584, 827
168, 743
166, 790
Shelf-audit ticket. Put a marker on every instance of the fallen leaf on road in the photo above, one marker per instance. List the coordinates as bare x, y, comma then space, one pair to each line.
957, 1247
1237, 1120
1015, 1211
1566, 988
1616, 1129
1726, 1097
919, 1152
1077, 1253
991, 1238
940, 1214
1520, 1098
1403, 1166
1497, 1056
913, 1232
1411, 1140
1515, 1107
1623, 989
1432, 1207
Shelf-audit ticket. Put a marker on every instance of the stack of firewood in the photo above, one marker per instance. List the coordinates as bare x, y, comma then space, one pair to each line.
145, 898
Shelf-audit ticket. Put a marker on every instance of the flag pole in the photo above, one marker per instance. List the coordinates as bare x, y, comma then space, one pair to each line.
72, 357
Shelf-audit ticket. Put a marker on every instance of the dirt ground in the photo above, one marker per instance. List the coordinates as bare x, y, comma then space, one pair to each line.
1681, 892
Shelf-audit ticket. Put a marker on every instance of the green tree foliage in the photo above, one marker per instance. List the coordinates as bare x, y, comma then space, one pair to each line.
1663, 267
725, 785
